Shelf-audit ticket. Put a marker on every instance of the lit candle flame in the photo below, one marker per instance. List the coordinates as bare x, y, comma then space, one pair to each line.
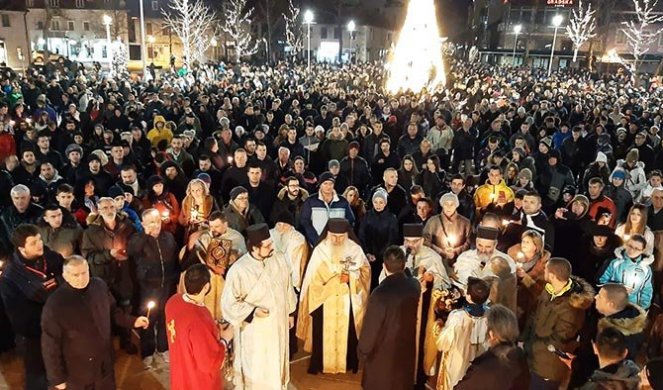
505, 222
520, 255
451, 240
150, 305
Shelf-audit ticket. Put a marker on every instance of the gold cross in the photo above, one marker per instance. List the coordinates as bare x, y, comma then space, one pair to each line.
171, 330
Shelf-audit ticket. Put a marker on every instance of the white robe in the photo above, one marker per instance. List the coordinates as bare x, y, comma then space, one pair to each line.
292, 244
261, 346
468, 264
431, 261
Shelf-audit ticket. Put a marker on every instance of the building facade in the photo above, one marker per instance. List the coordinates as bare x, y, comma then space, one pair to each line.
14, 42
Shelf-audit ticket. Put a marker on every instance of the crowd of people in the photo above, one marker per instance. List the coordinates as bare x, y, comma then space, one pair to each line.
503, 232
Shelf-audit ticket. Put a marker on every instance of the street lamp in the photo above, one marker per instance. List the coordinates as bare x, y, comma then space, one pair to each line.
516, 30
308, 19
107, 20
352, 26
556, 21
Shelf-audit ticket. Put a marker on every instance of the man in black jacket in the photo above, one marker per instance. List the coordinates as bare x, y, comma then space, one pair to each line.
22, 210
390, 327
32, 275
154, 252
76, 323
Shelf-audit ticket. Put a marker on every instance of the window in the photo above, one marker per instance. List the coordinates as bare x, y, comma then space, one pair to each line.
323, 32
155, 5
40, 25
70, 25
80, 3
5, 20
337, 33
148, 28
54, 3
30, 3
86, 26
55, 25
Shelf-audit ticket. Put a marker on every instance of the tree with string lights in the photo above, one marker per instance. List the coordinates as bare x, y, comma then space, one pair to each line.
193, 22
294, 32
640, 32
237, 24
581, 27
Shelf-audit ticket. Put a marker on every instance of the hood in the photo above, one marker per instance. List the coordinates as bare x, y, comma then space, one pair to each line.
632, 320
303, 194
622, 164
581, 295
159, 118
620, 253
96, 219
626, 376
55, 178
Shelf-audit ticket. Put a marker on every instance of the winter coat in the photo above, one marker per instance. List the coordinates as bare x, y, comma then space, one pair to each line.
635, 274
502, 367
588, 261
488, 194
66, 240
397, 198
10, 218
98, 240
440, 232
24, 292
315, 213
557, 321
463, 146
77, 343
530, 286
620, 376
285, 204
155, 259
357, 172
622, 198
636, 180
378, 231
386, 343
239, 221
552, 180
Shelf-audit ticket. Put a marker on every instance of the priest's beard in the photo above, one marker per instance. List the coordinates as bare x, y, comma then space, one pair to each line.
337, 252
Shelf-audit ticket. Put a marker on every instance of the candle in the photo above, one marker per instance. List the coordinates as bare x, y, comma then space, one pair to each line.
166, 214
28, 120
230, 159
12, 123
492, 198
505, 222
150, 306
520, 255
451, 240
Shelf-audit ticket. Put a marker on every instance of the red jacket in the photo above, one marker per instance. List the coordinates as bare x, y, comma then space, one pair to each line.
7, 145
600, 205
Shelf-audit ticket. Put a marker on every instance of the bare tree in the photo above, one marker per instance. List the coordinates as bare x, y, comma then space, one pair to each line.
237, 25
294, 32
193, 22
581, 27
640, 33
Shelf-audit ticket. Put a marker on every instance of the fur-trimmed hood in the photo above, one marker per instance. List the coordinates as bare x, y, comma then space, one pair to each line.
632, 320
646, 260
96, 219
581, 294
303, 194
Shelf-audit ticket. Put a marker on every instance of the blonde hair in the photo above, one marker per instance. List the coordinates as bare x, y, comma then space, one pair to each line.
196, 181
536, 238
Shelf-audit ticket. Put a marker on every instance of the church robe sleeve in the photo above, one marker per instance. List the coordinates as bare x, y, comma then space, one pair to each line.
371, 332
208, 353
445, 339
51, 346
235, 309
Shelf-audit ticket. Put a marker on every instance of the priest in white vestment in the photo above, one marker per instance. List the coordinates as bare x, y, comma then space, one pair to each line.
259, 301
476, 262
292, 244
333, 298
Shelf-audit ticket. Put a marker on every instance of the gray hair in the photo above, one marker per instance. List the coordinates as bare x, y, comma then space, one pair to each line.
19, 189
148, 212
74, 260
503, 323
450, 196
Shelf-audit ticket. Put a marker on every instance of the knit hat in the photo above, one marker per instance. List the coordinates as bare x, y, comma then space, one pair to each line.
73, 148
354, 144
618, 173
632, 156
451, 197
205, 177
154, 179
127, 189
555, 154
333, 163
546, 141
380, 193
526, 173
326, 176
103, 158
237, 191
93, 157
582, 199
115, 191
601, 157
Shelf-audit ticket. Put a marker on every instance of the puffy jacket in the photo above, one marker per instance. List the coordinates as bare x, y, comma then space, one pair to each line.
635, 274
315, 213
622, 375
636, 180
155, 258
488, 193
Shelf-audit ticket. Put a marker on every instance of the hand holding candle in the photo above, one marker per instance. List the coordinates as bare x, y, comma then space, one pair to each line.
150, 306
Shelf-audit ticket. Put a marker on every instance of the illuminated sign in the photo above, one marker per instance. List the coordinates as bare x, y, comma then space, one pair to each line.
560, 3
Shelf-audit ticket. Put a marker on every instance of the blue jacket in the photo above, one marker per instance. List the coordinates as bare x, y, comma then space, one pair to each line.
635, 274
315, 213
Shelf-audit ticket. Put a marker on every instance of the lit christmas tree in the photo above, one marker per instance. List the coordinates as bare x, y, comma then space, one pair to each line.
120, 59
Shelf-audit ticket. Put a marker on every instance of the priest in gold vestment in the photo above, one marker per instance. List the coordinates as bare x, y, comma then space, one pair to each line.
333, 298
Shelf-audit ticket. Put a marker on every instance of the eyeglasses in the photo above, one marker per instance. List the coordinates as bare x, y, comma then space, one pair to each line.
242, 198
